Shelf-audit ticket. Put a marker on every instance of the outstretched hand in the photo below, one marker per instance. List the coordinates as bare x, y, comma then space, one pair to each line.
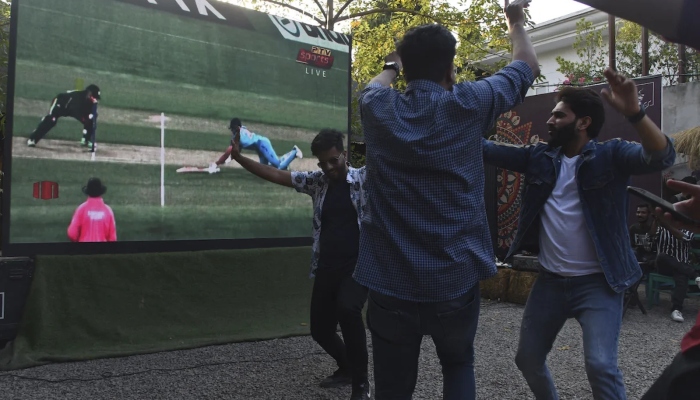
690, 207
515, 13
622, 94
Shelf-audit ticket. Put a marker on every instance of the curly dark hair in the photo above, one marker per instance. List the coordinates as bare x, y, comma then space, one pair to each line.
585, 102
326, 140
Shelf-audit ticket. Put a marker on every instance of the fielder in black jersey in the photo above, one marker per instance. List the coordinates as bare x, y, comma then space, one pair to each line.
79, 104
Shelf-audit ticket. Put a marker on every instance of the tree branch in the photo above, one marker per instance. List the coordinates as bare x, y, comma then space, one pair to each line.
418, 13
341, 9
386, 10
320, 7
299, 10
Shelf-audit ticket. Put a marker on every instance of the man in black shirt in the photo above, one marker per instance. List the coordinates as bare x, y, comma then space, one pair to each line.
79, 104
339, 199
641, 235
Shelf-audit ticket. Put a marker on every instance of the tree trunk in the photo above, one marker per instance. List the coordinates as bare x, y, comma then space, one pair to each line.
330, 20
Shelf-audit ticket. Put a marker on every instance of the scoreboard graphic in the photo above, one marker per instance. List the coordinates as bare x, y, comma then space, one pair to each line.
318, 57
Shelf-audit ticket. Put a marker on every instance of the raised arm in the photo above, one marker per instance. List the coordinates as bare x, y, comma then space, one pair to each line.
266, 172
508, 87
623, 96
522, 46
388, 75
657, 151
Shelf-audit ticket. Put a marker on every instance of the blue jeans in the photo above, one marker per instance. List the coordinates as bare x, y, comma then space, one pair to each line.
597, 308
397, 328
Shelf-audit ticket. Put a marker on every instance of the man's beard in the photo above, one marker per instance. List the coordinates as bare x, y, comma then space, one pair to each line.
563, 136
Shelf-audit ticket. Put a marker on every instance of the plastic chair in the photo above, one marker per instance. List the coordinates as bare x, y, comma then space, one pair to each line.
658, 283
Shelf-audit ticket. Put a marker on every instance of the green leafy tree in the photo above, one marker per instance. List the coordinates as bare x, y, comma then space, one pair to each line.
592, 56
663, 56
479, 26
592, 52
329, 13
693, 65
628, 49
665, 60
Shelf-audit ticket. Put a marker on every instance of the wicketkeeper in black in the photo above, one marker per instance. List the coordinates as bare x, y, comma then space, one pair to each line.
79, 104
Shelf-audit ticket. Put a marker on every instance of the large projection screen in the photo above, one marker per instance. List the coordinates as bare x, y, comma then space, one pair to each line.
171, 75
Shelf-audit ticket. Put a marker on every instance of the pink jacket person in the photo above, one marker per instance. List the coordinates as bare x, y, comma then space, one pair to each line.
93, 221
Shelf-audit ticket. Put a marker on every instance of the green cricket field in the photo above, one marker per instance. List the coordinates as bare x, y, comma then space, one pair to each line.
199, 74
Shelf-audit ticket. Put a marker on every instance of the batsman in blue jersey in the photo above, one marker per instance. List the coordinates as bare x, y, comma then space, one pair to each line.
261, 145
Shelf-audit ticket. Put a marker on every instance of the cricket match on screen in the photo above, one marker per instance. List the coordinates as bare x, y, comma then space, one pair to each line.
132, 103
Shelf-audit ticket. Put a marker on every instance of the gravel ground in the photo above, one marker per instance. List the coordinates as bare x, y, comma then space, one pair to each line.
291, 368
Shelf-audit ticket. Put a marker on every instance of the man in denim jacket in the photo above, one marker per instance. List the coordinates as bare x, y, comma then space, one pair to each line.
576, 198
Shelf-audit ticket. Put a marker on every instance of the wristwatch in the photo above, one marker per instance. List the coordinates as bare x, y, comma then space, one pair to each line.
392, 65
638, 116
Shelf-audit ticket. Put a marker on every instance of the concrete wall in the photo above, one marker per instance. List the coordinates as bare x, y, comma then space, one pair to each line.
548, 68
681, 107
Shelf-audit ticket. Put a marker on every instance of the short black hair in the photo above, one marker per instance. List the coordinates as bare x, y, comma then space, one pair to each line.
426, 52
585, 102
326, 140
644, 205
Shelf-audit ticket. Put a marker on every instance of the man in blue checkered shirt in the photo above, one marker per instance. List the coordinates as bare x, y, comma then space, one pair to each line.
425, 242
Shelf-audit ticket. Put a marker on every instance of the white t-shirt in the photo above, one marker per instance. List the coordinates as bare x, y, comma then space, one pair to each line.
566, 247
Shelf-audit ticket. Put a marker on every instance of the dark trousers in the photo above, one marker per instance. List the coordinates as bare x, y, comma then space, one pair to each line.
646, 259
681, 273
679, 381
398, 327
56, 111
338, 299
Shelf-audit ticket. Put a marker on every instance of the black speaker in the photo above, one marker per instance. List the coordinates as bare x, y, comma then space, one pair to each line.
16, 275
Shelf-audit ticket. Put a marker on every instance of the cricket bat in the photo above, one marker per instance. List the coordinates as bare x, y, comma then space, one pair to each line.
197, 169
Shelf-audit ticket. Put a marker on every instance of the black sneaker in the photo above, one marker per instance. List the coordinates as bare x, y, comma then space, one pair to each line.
361, 392
339, 378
